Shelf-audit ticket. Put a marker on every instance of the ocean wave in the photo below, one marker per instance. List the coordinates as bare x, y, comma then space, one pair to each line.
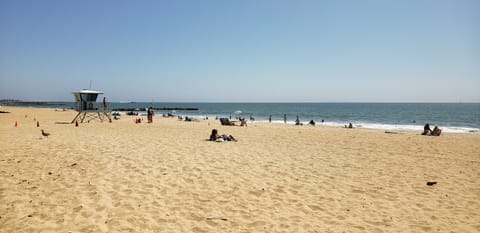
357, 124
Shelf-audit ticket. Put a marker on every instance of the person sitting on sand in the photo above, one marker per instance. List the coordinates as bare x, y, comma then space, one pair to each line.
436, 131
214, 136
243, 122
297, 121
426, 130
349, 126
311, 122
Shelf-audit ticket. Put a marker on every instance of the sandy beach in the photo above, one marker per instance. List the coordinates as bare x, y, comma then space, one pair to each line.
165, 177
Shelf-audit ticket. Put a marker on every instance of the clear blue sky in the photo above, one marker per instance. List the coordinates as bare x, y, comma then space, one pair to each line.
242, 51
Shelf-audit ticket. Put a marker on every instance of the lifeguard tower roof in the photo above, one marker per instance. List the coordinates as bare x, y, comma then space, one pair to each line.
86, 91
85, 95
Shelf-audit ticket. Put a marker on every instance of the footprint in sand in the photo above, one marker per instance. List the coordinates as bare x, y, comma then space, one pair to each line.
256, 224
315, 207
256, 193
198, 229
196, 217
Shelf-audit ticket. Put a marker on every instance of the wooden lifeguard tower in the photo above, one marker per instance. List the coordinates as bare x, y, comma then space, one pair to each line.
87, 106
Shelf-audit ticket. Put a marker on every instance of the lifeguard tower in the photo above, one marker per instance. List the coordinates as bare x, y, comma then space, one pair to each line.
87, 106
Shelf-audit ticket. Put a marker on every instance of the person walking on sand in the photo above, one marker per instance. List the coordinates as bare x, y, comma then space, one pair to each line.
270, 119
285, 118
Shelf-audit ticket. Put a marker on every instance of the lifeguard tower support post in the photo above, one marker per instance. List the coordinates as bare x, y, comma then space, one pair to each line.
87, 106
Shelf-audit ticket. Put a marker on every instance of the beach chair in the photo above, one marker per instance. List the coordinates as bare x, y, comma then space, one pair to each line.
226, 121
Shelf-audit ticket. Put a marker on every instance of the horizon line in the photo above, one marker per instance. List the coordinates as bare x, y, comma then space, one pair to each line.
262, 102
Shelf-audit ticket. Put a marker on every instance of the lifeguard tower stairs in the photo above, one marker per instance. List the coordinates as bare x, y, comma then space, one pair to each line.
88, 108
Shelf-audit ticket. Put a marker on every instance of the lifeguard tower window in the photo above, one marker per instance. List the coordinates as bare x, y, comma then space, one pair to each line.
88, 101
89, 97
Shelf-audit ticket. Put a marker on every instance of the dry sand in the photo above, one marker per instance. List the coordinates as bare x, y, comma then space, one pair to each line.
164, 177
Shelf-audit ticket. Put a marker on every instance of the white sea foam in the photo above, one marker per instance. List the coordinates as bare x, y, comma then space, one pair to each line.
418, 128
392, 127
380, 126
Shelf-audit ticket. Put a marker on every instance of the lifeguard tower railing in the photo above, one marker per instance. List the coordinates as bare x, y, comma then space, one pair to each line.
88, 108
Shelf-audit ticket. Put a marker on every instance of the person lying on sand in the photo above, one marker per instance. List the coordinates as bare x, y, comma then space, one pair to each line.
214, 136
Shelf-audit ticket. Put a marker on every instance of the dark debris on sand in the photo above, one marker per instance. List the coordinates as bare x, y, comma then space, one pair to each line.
430, 183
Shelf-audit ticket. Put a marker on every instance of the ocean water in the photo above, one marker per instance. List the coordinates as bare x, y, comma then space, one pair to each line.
451, 117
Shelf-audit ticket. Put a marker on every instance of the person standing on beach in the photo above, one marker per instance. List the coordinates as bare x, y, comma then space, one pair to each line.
104, 103
150, 115
285, 118
270, 119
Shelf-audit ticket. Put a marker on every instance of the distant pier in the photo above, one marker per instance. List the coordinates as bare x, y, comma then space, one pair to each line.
11, 102
142, 109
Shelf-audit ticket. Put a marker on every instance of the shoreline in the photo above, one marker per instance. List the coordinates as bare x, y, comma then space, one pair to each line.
335, 119
357, 125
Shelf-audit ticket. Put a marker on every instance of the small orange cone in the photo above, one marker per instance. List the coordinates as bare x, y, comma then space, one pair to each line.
16, 123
